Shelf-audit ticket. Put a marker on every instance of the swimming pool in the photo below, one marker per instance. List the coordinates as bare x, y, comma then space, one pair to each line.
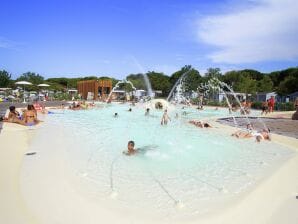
181, 170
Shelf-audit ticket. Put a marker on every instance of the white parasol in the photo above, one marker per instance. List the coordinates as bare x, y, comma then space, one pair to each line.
23, 83
43, 85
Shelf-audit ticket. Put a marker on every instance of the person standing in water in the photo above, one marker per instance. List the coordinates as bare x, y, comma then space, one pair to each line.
147, 112
165, 118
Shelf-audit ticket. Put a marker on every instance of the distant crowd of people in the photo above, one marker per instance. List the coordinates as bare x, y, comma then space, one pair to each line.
81, 105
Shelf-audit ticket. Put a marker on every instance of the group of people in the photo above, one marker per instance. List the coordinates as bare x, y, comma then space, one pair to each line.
268, 106
81, 105
28, 116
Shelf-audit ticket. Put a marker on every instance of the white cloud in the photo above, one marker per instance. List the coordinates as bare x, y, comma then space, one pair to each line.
266, 31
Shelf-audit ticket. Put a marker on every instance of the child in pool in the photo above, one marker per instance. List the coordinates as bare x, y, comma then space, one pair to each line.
165, 118
130, 149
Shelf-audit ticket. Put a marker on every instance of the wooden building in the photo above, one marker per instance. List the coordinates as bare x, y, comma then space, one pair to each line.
93, 89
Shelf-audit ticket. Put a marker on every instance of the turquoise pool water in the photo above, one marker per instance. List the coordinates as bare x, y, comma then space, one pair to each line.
182, 165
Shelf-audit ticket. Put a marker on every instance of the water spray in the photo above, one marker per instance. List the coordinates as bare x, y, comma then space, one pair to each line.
146, 79
117, 86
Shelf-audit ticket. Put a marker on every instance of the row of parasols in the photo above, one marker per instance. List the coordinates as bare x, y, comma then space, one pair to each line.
24, 83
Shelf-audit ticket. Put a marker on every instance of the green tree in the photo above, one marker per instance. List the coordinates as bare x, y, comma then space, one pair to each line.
137, 80
265, 84
5, 78
213, 73
160, 81
32, 77
253, 74
192, 79
288, 85
246, 85
240, 81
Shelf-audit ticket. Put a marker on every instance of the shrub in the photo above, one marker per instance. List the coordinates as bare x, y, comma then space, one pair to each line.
284, 106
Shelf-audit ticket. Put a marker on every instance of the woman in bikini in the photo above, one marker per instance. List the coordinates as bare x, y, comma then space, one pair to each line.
30, 116
249, 133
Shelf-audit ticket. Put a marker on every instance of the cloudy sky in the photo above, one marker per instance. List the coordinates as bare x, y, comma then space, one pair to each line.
114, 37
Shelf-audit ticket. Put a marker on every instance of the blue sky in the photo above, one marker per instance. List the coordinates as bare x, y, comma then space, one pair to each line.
105, 37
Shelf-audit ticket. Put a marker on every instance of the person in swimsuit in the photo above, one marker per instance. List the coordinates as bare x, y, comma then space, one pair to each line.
262, 135
165, 118
200, 124
30, 116
271, 104
37, 106
13, 116
147, 112
130, 149
264, 107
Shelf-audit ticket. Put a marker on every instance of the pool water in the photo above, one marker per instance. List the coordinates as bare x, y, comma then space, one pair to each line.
180, 164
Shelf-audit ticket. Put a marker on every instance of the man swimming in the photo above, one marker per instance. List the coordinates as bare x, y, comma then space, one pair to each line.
130, 149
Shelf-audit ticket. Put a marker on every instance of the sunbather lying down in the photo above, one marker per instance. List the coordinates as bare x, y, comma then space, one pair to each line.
200, 124
28, 118
260, 135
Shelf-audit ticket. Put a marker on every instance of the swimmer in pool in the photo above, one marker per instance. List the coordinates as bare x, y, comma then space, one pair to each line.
165, 118
147, 112
116, 115
200, 124
130, 149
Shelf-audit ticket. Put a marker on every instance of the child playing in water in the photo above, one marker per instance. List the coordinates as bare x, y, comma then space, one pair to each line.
165, 118
130, 149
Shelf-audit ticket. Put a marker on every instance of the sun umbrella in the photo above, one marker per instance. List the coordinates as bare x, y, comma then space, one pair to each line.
43, 85
23, 83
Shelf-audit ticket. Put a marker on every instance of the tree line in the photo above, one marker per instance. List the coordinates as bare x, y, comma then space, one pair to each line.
248, 81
